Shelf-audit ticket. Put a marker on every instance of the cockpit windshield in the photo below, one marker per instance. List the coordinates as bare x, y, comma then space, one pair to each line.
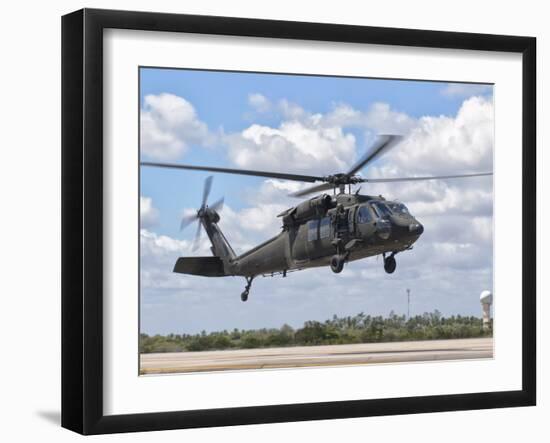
398, 208
381, 209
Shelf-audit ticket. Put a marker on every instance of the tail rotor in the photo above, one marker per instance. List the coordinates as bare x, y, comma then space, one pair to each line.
202, 212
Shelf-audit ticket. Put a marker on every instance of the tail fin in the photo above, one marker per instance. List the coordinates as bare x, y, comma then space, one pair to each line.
205, 266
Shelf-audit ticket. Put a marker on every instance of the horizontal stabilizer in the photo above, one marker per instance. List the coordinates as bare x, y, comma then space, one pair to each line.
205, 266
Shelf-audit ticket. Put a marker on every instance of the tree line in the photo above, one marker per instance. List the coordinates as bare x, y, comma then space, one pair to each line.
360, 328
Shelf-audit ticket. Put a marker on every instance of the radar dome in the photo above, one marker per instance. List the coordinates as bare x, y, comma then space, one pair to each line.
486, 297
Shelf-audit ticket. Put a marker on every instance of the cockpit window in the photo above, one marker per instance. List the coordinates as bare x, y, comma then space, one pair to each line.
363, 215
381, 209
398, 208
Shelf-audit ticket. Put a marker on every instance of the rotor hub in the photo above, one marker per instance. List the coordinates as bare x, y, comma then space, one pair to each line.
342, 179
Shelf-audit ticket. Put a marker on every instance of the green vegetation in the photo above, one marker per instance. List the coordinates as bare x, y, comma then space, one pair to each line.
358, 329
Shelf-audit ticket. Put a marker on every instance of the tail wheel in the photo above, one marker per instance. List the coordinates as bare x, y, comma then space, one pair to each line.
244, 295
337, 264
390, 264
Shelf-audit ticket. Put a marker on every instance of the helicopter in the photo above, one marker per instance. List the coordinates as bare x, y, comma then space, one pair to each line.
330, 229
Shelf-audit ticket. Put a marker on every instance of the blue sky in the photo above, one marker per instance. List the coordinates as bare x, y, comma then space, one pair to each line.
298, 123
231, 90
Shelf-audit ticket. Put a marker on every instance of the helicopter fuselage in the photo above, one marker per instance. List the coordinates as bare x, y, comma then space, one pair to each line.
349, 226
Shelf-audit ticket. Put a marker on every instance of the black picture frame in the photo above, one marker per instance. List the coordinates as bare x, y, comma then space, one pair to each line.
82, 219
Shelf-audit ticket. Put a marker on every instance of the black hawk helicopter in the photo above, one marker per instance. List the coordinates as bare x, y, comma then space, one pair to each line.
326, 230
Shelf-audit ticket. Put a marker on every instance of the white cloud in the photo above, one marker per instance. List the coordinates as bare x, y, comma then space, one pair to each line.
446, 145
292, 111
379, 118
384, 120
169, 124
159, 245
465, 90
273, 190
148, 214
158, 256
259, 102
295, 145
308, 142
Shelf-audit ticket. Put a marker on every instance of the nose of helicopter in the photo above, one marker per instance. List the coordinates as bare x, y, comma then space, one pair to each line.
406, 227
416, 228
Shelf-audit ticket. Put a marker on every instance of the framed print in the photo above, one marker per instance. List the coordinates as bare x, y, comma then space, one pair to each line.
269, 221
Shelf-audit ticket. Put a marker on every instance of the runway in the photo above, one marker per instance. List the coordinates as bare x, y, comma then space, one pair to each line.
302, 356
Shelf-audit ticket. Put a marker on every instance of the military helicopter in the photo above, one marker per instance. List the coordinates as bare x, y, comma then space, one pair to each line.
326, 230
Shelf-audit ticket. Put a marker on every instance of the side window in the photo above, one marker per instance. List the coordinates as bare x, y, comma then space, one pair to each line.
363, 215
312, 230
324, 227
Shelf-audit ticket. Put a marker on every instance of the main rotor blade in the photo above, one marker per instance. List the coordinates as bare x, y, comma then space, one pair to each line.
413, 179
383, 144
206, 190
217, 206
279, 175
312, 189
196, 241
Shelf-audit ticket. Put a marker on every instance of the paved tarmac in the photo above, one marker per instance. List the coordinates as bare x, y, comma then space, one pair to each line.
302, 356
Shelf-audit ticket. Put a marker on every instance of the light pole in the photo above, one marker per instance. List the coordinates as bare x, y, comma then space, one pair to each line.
408, 303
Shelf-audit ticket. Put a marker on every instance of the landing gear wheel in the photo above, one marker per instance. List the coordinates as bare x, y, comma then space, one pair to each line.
390, 264
244, 295
337, 264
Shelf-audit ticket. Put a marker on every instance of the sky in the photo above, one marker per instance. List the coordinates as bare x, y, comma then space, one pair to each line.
313, 125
